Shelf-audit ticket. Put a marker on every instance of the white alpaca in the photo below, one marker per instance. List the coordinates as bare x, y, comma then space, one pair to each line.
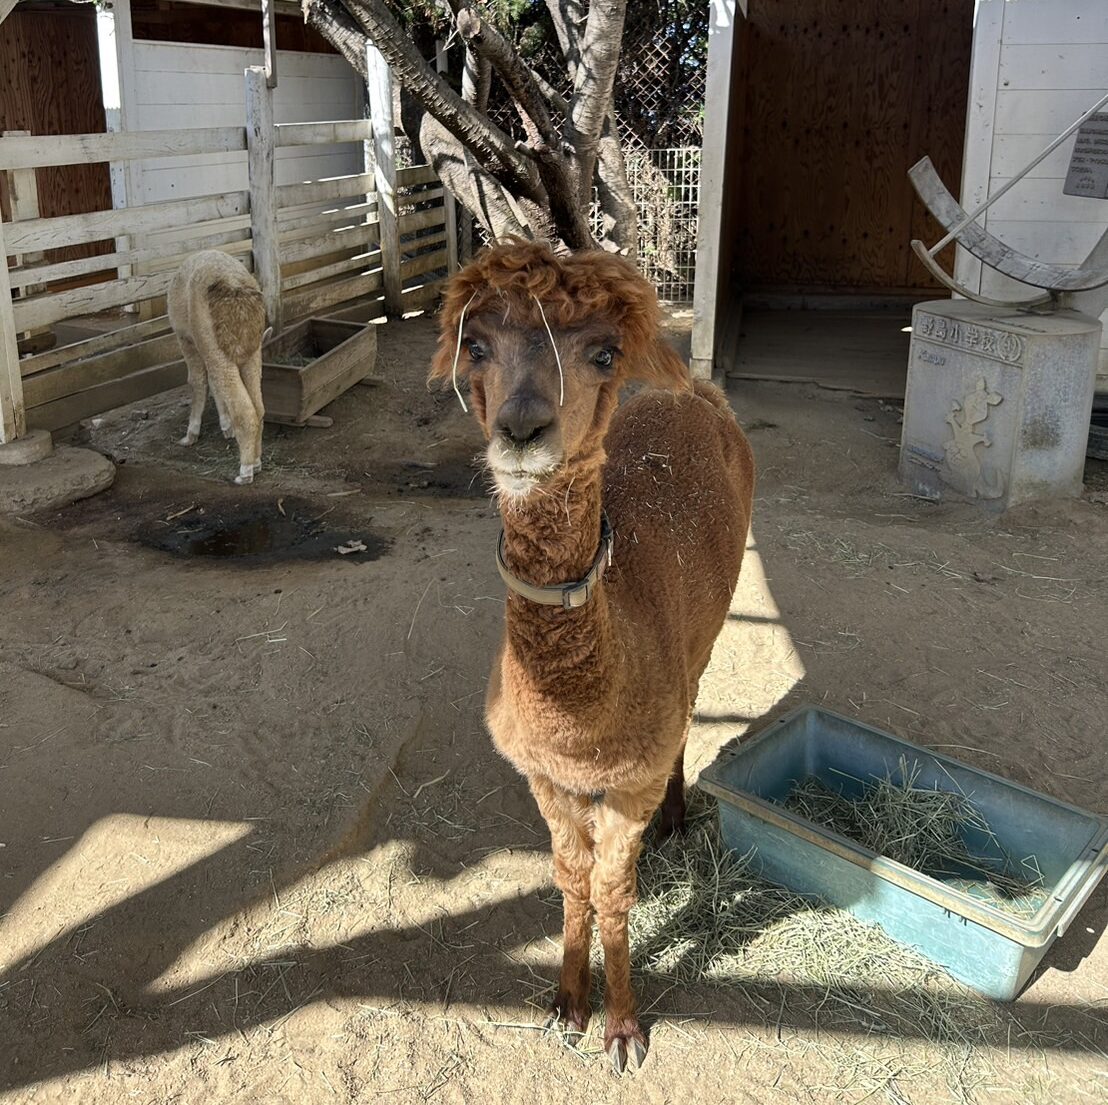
217, 312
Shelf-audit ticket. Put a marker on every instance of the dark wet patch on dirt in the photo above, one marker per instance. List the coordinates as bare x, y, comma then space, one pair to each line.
448, 477
254, 533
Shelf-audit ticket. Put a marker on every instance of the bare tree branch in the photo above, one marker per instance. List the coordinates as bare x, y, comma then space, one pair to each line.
337, 25
495, 149
553, 97
474, 188
477, 81
617, 202
568, 17
482, 37
545, 184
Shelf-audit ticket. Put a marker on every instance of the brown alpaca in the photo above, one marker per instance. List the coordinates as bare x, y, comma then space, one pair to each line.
592, 702
217, 313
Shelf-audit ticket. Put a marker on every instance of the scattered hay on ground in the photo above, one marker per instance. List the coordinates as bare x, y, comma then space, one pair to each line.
884, 1016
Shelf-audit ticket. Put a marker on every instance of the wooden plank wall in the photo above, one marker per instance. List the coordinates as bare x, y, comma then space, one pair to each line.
50, 84
1047, 63
178, 85
841, 98
328, 254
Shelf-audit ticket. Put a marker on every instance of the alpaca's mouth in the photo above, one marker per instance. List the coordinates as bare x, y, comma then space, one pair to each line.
518, 472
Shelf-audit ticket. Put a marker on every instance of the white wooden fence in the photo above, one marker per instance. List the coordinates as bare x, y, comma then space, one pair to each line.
360, 243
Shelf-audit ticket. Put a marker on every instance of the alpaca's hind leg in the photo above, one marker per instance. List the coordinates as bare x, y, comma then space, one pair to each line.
569, 817
621, 819
673, 805
198, 381
252, 381
224, 416
227, 383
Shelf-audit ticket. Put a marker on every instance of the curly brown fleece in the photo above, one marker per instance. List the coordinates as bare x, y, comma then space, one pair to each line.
593, 705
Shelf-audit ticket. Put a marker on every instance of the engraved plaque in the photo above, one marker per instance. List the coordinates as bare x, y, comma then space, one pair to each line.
1088, 171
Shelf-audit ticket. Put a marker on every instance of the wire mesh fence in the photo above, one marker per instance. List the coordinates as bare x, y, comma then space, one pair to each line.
666, 186
659, 100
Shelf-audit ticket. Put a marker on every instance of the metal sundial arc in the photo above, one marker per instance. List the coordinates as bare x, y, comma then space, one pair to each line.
1057, 280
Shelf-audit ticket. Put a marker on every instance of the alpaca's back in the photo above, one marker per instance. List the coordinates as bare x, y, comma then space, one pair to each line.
213, 299
678, 488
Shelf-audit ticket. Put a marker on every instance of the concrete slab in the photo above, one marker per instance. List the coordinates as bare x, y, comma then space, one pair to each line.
858, 351
63, 477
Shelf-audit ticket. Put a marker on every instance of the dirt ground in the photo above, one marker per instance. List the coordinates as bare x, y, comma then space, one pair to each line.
254, 842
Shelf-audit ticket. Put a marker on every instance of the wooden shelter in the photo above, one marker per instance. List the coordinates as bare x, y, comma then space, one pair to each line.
316, 206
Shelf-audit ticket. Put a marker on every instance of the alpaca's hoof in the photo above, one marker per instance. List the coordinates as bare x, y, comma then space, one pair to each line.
188, 439
671, 822
245, 477
626, 1048
228, 433
572, 1010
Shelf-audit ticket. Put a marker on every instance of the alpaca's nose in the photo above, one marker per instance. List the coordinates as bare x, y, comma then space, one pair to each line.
523, 418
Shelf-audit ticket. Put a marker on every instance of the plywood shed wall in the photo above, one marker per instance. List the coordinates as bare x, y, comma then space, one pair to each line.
834, 101
178, 82
50, 84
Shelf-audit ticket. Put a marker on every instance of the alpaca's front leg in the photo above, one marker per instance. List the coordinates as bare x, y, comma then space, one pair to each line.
621, 820
569, 817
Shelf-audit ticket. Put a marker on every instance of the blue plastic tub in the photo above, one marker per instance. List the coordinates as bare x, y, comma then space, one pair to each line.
987, 947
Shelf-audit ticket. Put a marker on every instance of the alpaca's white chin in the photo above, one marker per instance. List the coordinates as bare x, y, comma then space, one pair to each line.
518, 473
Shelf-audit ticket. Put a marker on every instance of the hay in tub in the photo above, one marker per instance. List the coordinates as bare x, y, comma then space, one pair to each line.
924, 828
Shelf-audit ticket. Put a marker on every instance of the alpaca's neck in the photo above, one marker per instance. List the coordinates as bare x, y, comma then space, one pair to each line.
551, 538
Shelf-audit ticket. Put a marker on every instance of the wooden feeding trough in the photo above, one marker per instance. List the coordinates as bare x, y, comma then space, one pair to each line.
312, 363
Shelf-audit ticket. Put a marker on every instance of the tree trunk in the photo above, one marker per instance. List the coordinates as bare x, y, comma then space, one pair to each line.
592, 88
620, 213
542, 186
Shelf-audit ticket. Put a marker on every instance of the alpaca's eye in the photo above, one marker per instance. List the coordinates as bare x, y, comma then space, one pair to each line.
476, 351
603, 359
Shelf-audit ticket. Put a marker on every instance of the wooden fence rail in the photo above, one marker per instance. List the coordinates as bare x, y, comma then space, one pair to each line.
339, 244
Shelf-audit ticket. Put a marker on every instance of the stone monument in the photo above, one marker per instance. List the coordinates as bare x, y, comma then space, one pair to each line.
1000, 392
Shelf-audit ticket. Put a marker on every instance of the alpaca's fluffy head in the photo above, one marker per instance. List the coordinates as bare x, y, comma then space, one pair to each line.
545, 343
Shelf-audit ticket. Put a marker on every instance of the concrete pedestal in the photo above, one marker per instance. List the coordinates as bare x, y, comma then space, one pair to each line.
998, 402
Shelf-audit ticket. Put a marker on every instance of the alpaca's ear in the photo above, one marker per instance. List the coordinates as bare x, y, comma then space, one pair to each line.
659, 365
442, 363
459, 293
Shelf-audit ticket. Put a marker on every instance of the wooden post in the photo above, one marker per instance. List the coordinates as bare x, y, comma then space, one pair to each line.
449, 204
23, 198
379, 85
13, 420
22, 187
126, 176
269, 41
977, 156
260, 137
369, 167
721, 39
